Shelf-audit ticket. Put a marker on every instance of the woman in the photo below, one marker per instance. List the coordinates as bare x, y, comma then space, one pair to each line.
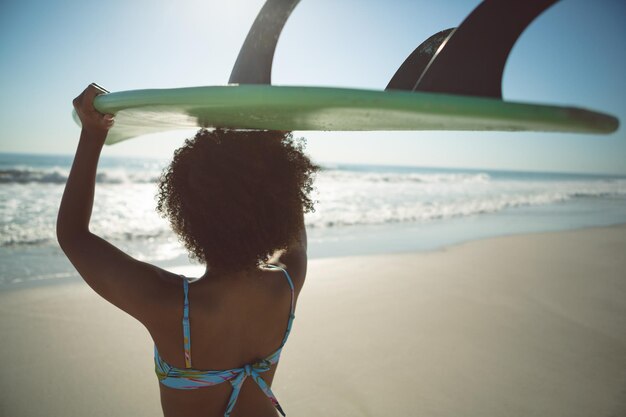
236, 199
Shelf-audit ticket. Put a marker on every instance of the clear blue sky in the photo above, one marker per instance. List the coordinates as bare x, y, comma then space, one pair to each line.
574, 54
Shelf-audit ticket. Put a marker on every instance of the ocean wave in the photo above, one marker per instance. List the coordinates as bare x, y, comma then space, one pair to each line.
24, 241
42, 277
412, 177
25, 176
46, 236
59, 176
123, 176
346, 198
342, 215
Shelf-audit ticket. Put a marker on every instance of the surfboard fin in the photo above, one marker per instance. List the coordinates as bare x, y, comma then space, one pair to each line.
407, 76
472, 60
254, 62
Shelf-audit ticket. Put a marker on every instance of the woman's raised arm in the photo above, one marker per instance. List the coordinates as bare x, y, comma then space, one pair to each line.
122, 280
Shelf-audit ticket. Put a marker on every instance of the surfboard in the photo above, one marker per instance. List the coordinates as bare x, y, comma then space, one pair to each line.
258, 106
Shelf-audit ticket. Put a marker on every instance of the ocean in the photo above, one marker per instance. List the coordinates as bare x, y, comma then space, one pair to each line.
361, 210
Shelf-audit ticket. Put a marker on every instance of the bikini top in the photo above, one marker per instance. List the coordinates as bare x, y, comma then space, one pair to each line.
190, 378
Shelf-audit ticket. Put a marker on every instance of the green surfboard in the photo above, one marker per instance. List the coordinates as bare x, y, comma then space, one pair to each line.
257, 106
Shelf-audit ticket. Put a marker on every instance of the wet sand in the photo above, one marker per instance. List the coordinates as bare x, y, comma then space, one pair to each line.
529, 325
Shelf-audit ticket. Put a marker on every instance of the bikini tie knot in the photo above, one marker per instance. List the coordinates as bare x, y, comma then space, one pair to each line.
260, 366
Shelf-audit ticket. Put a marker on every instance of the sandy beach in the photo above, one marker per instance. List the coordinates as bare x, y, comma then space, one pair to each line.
530, 325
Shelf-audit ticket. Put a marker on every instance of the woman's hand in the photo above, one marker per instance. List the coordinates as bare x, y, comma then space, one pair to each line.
77, 201
92, 119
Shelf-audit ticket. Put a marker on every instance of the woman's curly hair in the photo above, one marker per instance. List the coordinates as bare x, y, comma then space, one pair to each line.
234, 197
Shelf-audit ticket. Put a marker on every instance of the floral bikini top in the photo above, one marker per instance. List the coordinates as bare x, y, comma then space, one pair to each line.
190, 378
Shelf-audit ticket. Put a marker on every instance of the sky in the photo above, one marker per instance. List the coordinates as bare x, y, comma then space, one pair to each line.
574, 54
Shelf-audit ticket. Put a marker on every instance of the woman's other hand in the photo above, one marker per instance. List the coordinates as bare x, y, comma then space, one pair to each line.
91, 118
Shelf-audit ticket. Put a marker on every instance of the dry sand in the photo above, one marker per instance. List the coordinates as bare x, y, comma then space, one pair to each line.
530, 325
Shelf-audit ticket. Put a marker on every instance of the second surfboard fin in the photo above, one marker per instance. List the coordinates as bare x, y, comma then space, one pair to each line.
471, 61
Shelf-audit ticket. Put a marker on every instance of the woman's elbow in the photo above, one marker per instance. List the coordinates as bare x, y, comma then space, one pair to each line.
67, 236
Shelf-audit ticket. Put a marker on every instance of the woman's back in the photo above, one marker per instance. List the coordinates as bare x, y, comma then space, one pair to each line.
234, 320
236, 200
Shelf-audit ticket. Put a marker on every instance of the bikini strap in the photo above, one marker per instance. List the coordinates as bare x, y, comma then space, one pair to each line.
186, 329
292, 310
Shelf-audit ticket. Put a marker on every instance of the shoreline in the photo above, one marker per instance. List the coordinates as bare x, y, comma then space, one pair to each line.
520, 325
399, 247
